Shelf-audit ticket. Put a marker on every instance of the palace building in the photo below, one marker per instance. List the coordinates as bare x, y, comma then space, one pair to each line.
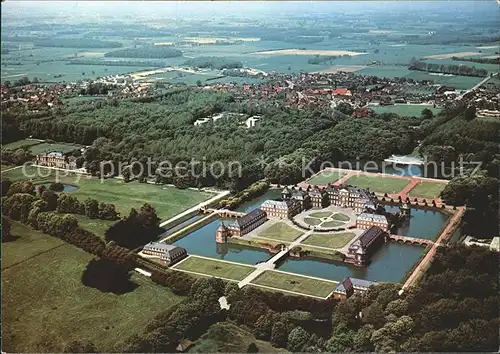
364, 246
351, 286
281, 209
367, 220
52, 159
350, 197
319, 198
240, 226
168, 254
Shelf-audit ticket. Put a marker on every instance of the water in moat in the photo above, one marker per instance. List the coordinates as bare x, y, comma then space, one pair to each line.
391, 262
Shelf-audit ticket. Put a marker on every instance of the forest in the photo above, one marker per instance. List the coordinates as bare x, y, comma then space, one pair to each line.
151, 52
76, 43
162, 129
214, 63
479, 60
447, 69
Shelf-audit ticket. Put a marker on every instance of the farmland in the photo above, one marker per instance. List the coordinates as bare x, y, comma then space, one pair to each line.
46, 306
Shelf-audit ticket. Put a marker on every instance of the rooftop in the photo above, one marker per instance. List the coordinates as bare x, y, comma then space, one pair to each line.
356, 283
159, 245
372, 217
277, 204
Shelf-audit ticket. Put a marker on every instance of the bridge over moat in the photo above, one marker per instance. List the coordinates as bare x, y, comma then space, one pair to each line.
224, 213
410, 240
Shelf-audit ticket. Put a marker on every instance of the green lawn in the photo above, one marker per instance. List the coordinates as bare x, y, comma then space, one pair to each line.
312, 221
427, 189
405, 110
378, 184
337, 240
27, 243
295, 283
95, 226
321, 214
281, 231
20, 143
325, 177
215, 268
45, 305
168, 201
332, 224
47, 147
340, 217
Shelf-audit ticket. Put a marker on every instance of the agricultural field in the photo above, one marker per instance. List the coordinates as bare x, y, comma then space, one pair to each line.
405, 110
295, 283
20, 143
215, 268
281, 231
168, 201
324, 177
337, 240
427, 189
379, 184
46, 306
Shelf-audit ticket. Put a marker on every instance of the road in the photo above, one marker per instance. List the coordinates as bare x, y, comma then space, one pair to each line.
442, 240
475, 87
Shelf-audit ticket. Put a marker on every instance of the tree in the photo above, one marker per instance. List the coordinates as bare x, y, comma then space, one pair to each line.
4, 188
50, 197
427, 113
108, 212
297, 339
147, 217
252, 348
198, 83
69, 204
21, 187
279, 335
56, 187
92, 208
5, 230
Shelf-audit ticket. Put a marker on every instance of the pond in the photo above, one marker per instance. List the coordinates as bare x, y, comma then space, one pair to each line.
67, 187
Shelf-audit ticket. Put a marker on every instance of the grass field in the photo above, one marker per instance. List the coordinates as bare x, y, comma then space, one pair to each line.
321, 214
427, 189
281, 231
45, 305
332, 224
95, 226
405, 110
215, 268
329, 240
48, 147
20, 143
295, 283
325, 177
340, 217
167, 201
378, 183
312, 221
27, 244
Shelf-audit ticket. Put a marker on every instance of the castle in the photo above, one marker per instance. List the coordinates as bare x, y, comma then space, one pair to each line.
294, 201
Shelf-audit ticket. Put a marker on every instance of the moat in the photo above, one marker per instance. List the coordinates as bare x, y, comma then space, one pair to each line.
390, 263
